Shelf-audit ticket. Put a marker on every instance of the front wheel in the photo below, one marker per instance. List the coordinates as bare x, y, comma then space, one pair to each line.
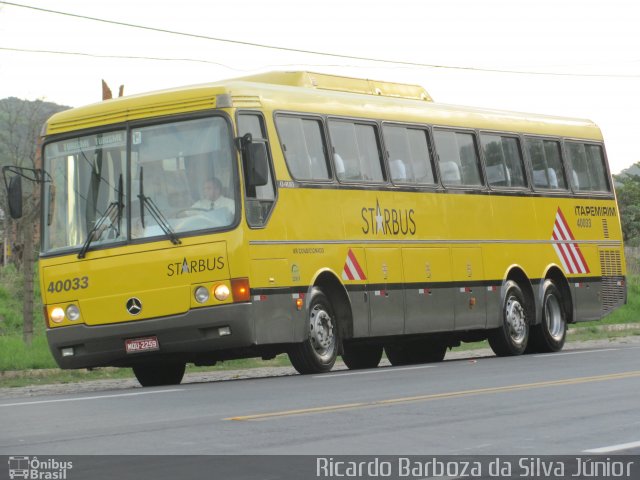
318, 352
551, 334
159, 374
511, 338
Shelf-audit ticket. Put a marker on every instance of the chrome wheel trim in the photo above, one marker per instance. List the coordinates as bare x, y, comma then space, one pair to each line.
553, 317
321, 332
516, 320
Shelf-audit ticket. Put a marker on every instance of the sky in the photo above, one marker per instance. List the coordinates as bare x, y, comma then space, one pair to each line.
559, 57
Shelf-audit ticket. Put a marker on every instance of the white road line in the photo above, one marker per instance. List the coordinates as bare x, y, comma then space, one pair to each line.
614, 448
550, 355
96, 397
379, 370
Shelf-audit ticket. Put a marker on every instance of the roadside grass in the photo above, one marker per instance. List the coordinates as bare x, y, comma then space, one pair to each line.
15, 355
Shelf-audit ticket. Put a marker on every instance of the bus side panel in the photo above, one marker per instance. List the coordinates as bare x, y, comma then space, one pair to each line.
386, 292
357, 291
429, 297
358, 297
273, 305
587, 292
470, 296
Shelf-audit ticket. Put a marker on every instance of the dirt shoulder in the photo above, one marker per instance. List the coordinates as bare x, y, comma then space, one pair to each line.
91, 386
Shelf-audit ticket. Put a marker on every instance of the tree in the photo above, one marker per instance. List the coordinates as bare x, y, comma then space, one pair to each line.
20, 125
628, 193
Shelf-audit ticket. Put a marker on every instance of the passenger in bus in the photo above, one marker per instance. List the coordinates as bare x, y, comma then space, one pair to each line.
213, 198
450, 172
398, 170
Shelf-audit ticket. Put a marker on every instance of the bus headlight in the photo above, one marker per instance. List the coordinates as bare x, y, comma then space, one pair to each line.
57, 315
221, 292
201, 295
73, 313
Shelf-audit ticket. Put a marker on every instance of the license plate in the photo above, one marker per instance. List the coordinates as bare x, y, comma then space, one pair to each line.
136, 345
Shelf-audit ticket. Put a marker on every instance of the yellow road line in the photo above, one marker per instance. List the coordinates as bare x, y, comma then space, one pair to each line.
437, 396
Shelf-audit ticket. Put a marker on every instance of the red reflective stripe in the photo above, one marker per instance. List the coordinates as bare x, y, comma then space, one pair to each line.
570, 251
356, 265
563, 252
347, 272
565, 224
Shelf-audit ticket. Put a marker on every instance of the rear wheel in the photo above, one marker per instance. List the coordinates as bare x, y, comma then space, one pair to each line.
357, 356
551, 334
318, 352
512, 337
158, 374
407, 353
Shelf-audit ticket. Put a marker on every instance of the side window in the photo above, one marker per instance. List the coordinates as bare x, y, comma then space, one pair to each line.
302, 142
546, 163
587, 169
409, 155
503, 161
457, 158
260, 200
356, 153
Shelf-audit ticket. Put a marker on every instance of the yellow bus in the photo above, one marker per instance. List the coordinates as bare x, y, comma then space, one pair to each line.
318, 216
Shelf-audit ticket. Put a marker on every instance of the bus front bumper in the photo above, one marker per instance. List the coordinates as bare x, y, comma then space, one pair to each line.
183, 337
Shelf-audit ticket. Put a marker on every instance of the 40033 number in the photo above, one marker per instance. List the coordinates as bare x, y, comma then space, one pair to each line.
77, 283
584, 222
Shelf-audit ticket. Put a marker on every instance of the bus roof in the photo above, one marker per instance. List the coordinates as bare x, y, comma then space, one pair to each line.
316, 93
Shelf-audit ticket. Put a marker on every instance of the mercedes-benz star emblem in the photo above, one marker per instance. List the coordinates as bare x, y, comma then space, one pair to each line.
134, 306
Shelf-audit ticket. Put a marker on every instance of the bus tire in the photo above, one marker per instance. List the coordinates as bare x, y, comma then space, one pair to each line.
512, 337
159, 374
318, 352
408, 353
359, 356
551, 334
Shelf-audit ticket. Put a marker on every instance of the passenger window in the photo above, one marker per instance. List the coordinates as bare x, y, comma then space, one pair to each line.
409, 155
597, 169
259, 200
250, 124
457, 158
546, 163
356, 154
503, 161
302, 143
588, 173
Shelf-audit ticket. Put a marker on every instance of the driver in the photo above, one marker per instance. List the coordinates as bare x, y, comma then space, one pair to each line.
213, 198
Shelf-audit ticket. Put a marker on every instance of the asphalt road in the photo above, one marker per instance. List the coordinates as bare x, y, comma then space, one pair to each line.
567, 403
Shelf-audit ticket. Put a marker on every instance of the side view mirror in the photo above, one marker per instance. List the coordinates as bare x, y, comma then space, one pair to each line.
257, 165
14, 190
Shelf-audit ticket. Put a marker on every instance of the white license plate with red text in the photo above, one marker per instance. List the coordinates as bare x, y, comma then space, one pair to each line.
136, 345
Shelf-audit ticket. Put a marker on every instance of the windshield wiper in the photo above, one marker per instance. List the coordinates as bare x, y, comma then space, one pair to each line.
155, 212
114, 209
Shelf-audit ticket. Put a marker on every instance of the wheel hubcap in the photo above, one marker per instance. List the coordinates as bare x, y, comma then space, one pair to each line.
553, 318
321, 332
515, 317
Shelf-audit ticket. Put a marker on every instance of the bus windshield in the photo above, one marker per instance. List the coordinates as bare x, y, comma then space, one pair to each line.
154, 181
